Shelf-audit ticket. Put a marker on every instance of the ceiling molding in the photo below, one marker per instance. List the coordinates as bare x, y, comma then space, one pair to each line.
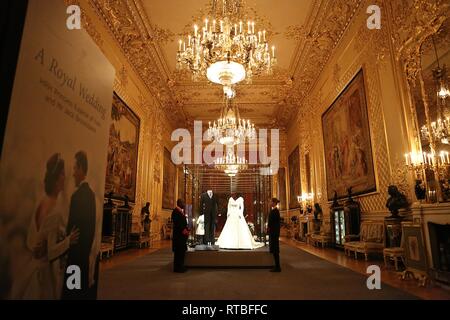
142, 43
132, 34
322, 33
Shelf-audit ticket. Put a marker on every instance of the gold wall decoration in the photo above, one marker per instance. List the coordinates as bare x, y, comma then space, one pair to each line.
294, 178
87, 23
125, 21
123, 76
169, 180
331, 18
281, 188
343, 65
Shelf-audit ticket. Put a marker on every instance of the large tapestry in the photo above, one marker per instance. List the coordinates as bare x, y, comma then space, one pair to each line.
348, 150
169, 179
294, 178
122, 151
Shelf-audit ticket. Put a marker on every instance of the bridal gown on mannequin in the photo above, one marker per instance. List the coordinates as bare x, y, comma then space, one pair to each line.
236, 234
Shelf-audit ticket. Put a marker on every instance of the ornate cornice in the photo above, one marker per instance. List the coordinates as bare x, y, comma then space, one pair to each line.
325, 28
136, 39
413, 22
87, 23
141, 42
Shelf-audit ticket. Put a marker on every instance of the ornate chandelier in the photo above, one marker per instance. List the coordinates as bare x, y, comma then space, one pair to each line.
230, 164
439, 131
226, 49
230, 129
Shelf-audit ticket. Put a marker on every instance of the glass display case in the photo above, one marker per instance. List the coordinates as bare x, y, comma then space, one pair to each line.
254, 188
339, 227
346, 219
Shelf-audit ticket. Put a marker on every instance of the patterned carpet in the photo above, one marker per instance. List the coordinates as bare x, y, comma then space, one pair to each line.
304, 276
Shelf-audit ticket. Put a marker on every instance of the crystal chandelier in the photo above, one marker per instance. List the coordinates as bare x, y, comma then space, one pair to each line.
440, 75
230, 129
440, 129
230, 164
226, 49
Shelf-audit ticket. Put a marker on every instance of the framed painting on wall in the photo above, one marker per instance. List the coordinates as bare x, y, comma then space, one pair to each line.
294, 178
169, 180
414, 246
347, 144
122, 151
282, 188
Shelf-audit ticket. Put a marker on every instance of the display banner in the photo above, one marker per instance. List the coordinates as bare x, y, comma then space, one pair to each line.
52, 171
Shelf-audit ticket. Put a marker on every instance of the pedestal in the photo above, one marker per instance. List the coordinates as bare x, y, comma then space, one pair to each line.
259, 258
393, 226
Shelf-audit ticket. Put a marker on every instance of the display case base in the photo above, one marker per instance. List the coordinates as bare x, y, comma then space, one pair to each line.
259, 258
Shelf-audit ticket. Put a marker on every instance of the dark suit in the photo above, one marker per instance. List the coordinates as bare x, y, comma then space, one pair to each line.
82, 215
274, 235
179, 239
208, 207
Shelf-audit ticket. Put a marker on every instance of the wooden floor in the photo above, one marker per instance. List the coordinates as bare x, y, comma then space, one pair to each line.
125, 256
388, 276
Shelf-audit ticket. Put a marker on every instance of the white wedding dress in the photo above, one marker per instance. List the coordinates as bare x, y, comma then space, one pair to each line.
236, 234
43, 278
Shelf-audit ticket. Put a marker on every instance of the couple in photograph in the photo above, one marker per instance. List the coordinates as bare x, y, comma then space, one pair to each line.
56, 245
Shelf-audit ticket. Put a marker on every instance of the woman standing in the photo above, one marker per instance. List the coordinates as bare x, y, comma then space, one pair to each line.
46, 238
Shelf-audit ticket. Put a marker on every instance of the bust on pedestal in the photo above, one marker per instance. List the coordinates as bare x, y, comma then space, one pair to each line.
395, 202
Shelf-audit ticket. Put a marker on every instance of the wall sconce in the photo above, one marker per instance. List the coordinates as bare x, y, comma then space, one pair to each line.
417, 162
305, 201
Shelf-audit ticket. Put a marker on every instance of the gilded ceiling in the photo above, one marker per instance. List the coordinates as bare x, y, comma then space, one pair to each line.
305, 33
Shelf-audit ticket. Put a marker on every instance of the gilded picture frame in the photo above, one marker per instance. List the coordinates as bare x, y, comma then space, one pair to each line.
414, 245
123, 149
349, 160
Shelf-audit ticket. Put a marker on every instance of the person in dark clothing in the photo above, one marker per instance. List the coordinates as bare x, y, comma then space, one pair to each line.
179, 237
273, 229
145, 218
82, 213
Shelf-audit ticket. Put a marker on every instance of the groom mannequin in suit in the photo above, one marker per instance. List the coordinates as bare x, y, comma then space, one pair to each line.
82, 213
208, 207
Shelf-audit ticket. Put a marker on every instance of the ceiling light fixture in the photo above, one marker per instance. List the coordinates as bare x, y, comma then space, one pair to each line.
230, 129
226, 49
